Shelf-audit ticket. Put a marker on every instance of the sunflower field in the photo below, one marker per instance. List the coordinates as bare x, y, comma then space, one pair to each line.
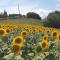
29, 42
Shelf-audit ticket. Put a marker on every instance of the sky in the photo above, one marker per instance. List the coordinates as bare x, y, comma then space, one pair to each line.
42, 7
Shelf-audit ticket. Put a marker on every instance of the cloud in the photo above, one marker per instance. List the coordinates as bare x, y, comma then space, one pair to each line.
43, 12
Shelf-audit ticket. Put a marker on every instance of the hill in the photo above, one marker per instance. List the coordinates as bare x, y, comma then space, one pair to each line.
21, 21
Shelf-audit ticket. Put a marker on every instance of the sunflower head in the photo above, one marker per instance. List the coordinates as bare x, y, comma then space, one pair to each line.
23, 33
40, 30
45, 38
55, 34
18, 40
7, 30
15, 48
0, 26
2, 32
59, 37
44, 45
48, 31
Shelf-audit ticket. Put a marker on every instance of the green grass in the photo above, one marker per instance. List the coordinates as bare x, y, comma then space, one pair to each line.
21, 21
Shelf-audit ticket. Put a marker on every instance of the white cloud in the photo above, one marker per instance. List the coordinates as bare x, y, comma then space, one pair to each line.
43, 12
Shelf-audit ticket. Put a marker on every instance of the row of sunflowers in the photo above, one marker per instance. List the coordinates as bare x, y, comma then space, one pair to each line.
29, 42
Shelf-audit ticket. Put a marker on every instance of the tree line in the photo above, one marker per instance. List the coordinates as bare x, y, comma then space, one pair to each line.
14, 16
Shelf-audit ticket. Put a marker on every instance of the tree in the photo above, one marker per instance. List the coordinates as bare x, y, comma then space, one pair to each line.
5, 14
33, 15
53, 19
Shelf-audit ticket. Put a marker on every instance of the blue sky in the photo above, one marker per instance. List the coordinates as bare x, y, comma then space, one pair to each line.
42, 7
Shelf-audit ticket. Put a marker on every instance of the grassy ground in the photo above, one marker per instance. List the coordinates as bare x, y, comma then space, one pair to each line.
21, 21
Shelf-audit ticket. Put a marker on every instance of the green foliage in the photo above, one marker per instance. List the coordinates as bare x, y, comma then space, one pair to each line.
53, 19
50, 57
33, 15
39, 49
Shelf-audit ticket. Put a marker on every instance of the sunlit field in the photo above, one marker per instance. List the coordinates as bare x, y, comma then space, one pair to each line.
28, 41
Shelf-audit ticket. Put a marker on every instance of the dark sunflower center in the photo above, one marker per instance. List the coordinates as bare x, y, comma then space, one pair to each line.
44, 44
1, 32
45, 38
16, 48
54, 34
7, 30
59, 37
24, 33
18, 40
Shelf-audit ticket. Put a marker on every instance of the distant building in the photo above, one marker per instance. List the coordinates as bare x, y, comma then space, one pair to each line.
14, 16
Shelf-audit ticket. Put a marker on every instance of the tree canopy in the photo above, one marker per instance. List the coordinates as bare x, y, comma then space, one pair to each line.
33, 15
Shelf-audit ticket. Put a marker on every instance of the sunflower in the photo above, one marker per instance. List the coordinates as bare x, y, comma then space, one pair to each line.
15, 48
7, 30
0, 26
45, 38
23, 33
58, 38
18, 40
55, 34
40, 30
2, 32
48, 31
44, 45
